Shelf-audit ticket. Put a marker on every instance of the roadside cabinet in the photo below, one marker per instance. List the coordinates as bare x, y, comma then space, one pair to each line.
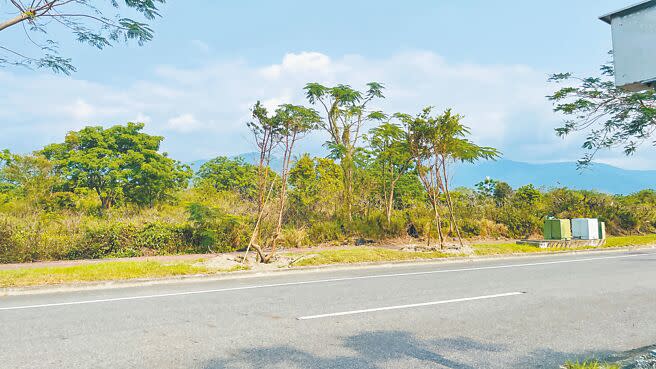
557, 229
602, 230
585, 229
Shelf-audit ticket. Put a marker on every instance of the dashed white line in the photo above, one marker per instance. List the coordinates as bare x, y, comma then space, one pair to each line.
397, 307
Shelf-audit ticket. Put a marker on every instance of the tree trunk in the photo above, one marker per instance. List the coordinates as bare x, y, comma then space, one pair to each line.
289, 146
438, 222
347, 169
450, 204
390, 203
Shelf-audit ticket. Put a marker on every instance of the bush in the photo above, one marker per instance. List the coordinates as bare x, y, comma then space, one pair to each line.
294, 237
216, 231
165, 237
326, 231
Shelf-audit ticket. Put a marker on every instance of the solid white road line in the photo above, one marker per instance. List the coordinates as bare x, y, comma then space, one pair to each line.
353, 312
219, 290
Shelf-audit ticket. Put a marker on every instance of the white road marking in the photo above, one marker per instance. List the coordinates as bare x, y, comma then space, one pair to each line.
219, 290
397, 307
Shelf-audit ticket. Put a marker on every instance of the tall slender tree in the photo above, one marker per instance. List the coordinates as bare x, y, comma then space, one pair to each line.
388, 145
435, 142
266, 132
294, 123
346, 112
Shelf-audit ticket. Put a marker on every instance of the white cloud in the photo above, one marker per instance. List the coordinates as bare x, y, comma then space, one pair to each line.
184, 123
505, 105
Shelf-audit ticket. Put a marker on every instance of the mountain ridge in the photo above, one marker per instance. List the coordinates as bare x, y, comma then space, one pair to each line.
599, 177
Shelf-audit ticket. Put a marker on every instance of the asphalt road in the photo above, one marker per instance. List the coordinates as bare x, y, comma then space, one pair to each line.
522, 313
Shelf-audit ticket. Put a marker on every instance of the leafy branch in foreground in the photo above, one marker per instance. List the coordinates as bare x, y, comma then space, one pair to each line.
610, 116
88, 22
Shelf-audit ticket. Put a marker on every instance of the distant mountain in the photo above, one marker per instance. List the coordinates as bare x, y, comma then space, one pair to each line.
249, 157
599, 177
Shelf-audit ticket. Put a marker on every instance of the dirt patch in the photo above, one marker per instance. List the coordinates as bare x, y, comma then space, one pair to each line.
232, 262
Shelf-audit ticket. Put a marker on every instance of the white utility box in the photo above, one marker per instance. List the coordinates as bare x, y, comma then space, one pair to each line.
634, 36
585, 229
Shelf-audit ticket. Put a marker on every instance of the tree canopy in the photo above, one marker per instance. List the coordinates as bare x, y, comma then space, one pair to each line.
346, 111
96, 23
225, 174
118, 163
611, 117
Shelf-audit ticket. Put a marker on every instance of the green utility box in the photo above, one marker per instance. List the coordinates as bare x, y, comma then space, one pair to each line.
602, 230
557, 229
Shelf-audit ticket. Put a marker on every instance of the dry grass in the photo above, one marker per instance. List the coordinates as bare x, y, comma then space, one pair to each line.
123, 270
363, 255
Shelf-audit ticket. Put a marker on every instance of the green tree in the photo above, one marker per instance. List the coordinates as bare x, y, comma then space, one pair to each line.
119, 162
267, 134
486, 187
315, 188
28, 176
346, 112
435, 142
293, 122
225, 174
388, 145
89, 22
611, 117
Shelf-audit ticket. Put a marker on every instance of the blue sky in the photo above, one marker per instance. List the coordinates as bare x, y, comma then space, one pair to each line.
213, 59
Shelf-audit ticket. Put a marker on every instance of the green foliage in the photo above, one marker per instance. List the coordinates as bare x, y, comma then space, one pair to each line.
610, 116
225, 174
217, 231
119, 163
111, 193
589, 364
87, 21
316, 185
346, 111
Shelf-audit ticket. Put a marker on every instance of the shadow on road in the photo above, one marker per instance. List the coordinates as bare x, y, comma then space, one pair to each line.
386, 349
369, 351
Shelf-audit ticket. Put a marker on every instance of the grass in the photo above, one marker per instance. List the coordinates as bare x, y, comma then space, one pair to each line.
513, 248
592, 364
363, 255
630, 240
123, 270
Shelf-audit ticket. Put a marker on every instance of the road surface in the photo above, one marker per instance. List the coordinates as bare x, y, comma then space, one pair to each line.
532, 312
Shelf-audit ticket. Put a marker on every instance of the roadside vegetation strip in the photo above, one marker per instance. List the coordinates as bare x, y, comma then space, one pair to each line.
373, 254
118, 270
363, 255
593, 364
622, 241
513, 248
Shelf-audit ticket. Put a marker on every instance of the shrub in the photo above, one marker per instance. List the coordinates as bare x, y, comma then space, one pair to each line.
216, 231
294, 237
326, 231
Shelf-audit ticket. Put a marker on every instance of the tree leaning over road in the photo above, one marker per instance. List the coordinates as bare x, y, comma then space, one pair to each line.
346, 112
611, 116
88, 22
